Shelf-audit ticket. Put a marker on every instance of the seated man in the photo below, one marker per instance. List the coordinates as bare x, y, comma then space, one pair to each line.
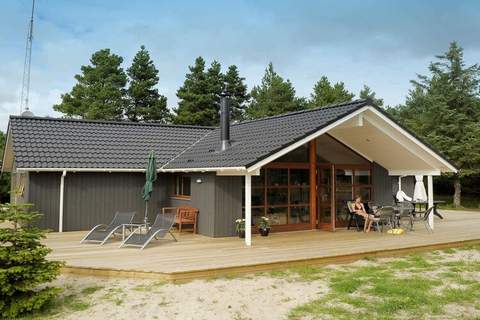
359, 209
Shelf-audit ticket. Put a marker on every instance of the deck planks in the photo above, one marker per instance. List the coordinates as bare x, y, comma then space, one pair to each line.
198, 256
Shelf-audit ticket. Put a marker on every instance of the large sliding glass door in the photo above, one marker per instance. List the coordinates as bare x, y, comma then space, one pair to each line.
324, 197
350, 180
336, 185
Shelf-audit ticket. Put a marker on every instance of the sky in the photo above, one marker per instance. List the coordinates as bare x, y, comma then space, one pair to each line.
382, 44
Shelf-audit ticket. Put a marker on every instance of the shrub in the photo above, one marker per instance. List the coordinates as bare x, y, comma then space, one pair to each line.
24, 270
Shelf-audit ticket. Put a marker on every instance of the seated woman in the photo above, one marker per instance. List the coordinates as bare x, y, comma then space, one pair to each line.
359, 209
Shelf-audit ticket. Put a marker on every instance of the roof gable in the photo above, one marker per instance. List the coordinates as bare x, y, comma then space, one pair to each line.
255, 140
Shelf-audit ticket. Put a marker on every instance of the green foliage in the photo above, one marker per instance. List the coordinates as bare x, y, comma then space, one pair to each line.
200, 94
237, 90
99, 92
198, 103
144, 101
324, 93
5, 177
274, 96
444, 109
23, 267
367, 94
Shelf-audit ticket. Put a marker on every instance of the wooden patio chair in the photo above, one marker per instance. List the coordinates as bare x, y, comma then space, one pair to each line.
184, 215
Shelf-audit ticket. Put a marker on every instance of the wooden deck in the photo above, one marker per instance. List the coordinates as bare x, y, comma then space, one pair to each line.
196, 256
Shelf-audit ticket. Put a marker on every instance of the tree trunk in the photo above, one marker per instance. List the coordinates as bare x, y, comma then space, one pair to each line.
458, 192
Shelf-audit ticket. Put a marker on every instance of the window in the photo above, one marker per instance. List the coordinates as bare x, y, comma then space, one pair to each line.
281, 194
182, 187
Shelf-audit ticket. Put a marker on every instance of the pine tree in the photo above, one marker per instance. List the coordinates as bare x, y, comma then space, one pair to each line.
144, 101
99, 92
367, 94
24, 270
5, 176
444, 109
198, 96
324, 93
237, 90
274, 96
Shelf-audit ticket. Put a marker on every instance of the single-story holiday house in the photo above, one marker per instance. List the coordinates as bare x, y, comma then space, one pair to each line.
298, 169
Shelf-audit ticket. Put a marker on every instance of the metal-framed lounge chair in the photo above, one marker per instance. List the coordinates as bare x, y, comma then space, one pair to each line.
404, 215
423, 218
102, 232
353, 217
384, 217
162, 225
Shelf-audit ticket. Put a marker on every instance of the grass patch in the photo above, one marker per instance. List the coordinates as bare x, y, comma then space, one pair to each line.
318, 308
61, 305
468, 202
148, 287
91, 290
400, 288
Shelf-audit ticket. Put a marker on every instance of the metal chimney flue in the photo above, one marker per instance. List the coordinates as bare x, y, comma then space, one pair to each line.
224, 121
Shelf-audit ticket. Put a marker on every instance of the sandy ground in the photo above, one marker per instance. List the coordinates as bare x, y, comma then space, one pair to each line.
258, 297
247, 297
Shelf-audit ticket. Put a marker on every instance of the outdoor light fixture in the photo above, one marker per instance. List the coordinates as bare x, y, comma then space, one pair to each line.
198, 181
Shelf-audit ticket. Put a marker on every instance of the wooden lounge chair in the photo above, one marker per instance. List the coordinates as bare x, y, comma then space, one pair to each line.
184, 215
102, 232
162, 225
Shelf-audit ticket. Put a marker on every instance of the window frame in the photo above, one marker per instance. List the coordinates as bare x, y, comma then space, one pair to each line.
180, 195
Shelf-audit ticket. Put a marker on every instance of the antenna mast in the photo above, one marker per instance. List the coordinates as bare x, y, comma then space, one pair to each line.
26, 65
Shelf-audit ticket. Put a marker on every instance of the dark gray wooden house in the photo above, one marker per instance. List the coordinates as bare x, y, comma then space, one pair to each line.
298, 169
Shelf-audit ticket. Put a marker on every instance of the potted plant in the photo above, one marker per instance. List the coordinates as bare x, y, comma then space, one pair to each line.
264, 226
240, 227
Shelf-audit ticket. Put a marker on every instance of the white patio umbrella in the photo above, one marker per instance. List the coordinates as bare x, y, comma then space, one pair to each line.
419, 193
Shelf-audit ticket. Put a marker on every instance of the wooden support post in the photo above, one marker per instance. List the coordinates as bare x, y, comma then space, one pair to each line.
430, 199
313, 183
248, 209
60, 211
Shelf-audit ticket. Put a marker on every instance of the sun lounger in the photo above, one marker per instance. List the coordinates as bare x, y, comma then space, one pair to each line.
162, 225
101, 233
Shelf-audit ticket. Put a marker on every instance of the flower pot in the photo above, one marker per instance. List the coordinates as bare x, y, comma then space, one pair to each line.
241, 234
264, 232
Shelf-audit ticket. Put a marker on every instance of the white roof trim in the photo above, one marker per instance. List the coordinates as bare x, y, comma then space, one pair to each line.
414, 139
297, 144
241, 170
414, 172
79, 170
212, 169
388, 133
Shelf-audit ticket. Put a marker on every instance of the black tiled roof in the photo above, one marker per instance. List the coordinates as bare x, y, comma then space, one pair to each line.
255, 140
67, 143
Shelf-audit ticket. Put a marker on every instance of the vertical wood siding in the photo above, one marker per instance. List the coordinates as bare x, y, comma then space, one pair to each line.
203, 198
382, 186
93, 198
44, 193
228, 204
408, 185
